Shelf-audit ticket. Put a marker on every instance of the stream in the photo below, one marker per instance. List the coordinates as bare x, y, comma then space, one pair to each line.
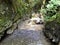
26, 37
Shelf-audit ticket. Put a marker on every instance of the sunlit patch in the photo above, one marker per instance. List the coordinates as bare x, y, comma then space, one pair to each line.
35, 23
36, 19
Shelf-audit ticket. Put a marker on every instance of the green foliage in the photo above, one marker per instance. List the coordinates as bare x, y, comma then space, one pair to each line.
12, 10
24, 6
52, 18
58, 17
5, 14
51, 10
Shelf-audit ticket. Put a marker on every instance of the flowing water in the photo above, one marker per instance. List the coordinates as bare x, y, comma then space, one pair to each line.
26, 37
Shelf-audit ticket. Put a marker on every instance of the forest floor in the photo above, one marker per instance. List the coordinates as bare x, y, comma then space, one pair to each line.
26, 35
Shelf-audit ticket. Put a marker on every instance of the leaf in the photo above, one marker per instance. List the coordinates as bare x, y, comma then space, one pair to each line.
53, 18
58, 17
50, 6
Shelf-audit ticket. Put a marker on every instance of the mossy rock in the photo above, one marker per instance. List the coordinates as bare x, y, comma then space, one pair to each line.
11, 30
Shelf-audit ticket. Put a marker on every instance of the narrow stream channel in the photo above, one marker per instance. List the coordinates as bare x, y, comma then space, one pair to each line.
25, 37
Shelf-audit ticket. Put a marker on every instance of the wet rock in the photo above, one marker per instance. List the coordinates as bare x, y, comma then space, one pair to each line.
10, 31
